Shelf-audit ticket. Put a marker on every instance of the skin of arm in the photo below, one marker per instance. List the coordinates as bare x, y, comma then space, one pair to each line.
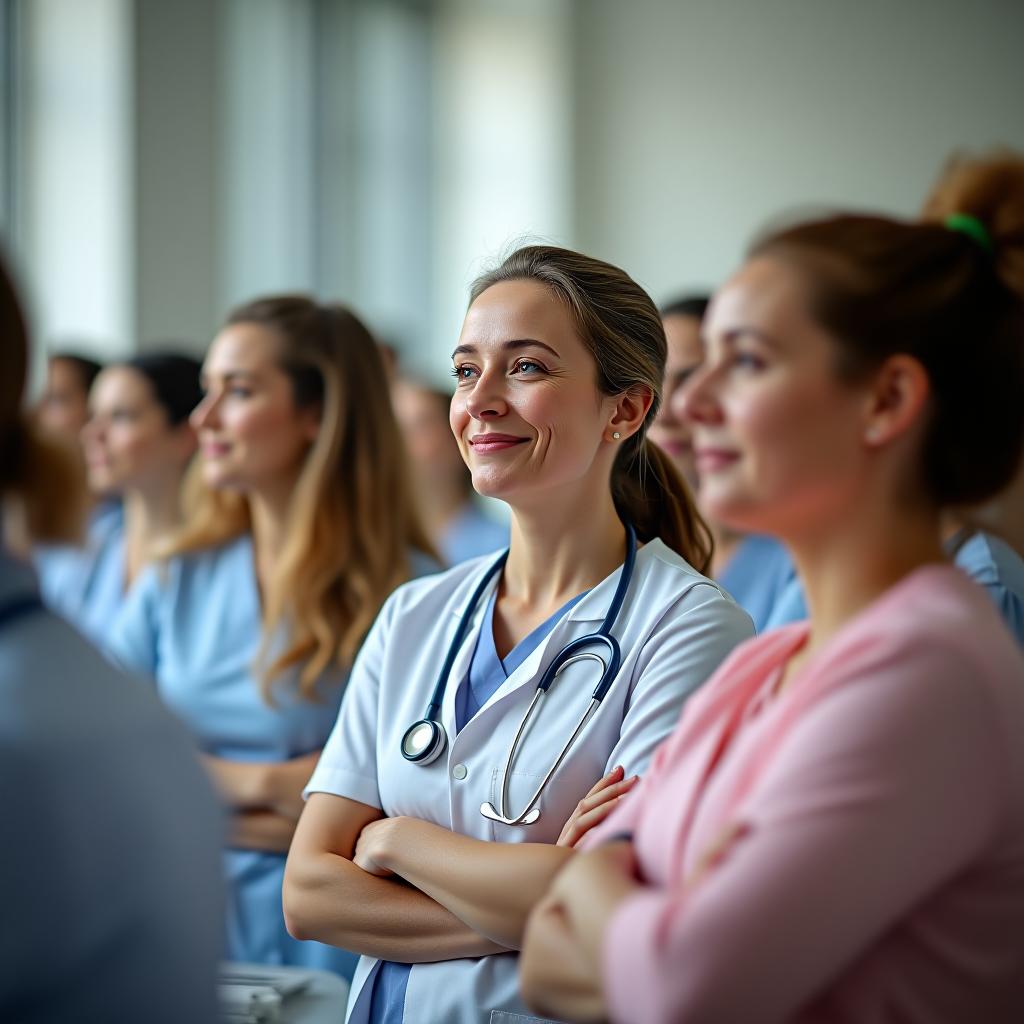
329, 898
555, 978
459, 872
261, 830
263, 785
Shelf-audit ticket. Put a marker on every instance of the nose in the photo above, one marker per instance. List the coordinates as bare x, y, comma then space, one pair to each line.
487, 399
205, 413
697, 400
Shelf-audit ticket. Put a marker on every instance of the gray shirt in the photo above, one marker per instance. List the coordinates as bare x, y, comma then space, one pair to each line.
109, 865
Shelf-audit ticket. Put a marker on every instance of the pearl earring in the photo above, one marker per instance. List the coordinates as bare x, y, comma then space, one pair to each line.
616, 435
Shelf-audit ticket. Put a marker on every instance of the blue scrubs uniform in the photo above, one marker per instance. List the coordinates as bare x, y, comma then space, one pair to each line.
486, 673
86, 585
989, 561
194, 625
993, 564
758, 577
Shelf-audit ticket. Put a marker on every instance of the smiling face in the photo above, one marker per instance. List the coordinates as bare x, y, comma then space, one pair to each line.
527, 412
668, 431
252, 435
778, 435
128, 441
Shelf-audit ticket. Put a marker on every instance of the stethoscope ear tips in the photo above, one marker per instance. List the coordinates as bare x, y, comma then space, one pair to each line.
423, 741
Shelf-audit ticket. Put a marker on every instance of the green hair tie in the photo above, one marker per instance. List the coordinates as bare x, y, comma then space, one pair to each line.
973, 228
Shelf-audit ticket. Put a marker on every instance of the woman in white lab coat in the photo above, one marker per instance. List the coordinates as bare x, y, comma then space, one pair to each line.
559, 368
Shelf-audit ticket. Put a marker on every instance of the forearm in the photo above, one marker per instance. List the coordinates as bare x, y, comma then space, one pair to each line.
263, 785
261, 830
491, 886
554, 978
332, 900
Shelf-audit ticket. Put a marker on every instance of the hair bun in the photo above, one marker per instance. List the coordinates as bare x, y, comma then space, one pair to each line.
987, 189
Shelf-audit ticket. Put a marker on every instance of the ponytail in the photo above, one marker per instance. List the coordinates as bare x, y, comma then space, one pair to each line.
651, 494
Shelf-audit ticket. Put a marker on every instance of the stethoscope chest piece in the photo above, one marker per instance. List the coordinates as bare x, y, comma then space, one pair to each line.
423, 741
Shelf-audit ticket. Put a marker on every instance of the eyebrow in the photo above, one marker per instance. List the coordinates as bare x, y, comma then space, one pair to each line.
734, 334
508, 346
228, 377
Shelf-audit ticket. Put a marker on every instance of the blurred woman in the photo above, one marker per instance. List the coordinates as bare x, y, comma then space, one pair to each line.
756, 570
441, 481
836, 829
138, 444
426, 839
303, 526
108, 874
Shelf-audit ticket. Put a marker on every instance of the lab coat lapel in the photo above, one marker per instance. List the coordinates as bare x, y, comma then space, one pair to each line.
460, 667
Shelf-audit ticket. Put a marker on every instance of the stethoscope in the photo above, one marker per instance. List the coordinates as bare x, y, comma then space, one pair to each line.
424, 740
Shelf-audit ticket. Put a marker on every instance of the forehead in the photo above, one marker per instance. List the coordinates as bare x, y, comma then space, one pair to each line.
242, 347
515, 310
768, 294
62, 373
682, 332
120, 383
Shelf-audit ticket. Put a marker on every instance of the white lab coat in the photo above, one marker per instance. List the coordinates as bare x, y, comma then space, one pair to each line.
674, 629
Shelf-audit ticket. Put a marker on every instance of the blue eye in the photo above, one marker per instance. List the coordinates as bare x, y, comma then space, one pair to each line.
528, 366
463, 372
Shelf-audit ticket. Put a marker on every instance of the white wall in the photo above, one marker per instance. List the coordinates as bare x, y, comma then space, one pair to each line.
503, 143
698, 121
76, 224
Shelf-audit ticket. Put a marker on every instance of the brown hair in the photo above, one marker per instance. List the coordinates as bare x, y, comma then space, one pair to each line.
620, 325
352, 523
46, 480
882, 287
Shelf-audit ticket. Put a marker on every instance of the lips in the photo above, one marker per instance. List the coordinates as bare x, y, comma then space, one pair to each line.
486, 443
214, 449
711, 459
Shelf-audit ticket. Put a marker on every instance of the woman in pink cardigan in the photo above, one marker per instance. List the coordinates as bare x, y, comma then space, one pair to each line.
835, 832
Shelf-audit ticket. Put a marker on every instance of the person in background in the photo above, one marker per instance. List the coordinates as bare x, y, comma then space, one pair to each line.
108, 874
303, 525
979, 549
442, 483
756, 570
138, 444
422, 846
835, 831
63, 407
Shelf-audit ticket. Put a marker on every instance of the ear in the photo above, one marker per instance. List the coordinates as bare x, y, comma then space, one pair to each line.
629, 412
896, 401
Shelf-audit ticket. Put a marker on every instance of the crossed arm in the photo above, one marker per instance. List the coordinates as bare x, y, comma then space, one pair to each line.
265, 798
405, 890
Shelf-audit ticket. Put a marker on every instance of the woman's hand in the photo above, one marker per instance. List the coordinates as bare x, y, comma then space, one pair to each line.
262, 785
596, 805
372, 845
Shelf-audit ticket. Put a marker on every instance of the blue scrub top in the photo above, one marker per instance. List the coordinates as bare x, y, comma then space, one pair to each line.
989, 561
471, 534
86, 584
194, 624
994, 565
758, 577
486, 674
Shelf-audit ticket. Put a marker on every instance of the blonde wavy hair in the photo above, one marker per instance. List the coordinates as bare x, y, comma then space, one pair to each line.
351, 522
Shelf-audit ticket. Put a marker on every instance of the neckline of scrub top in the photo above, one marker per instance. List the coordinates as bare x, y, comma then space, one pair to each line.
487, 671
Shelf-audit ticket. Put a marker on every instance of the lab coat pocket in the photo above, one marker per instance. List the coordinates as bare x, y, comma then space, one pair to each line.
521, 787
504, 1017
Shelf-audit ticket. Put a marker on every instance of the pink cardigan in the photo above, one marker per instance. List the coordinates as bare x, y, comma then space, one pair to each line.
850, 850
